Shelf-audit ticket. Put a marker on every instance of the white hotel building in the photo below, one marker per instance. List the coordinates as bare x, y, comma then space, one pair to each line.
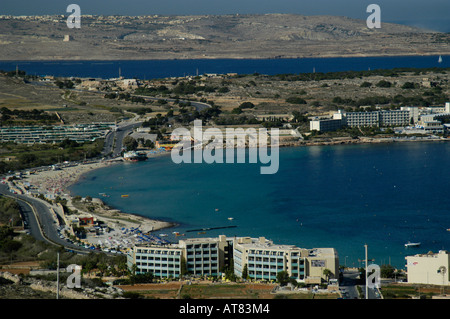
427, 117
362, 119
209, 256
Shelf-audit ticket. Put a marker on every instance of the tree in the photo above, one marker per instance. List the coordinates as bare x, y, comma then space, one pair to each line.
27, 158
283, 277
295, 100
130, 143
245, 272
384, 84
229, 271
387, 271
247, 105
327, 273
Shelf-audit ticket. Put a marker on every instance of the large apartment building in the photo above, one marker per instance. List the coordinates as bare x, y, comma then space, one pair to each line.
209, 256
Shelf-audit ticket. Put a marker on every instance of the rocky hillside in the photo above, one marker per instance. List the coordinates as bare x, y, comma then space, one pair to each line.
224, 36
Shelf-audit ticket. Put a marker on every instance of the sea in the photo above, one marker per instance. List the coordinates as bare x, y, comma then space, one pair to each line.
154, 69
342, 196
345, 196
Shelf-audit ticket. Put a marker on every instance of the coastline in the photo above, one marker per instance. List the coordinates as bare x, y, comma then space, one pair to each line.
62, 179
237, 57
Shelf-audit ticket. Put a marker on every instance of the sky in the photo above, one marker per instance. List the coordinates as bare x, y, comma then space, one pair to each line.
432, 14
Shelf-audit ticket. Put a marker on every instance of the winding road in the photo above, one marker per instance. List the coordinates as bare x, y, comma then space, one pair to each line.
38, 218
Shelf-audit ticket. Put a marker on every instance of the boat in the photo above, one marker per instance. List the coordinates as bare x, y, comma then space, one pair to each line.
409, 244
135, 156
440, 59
230, 218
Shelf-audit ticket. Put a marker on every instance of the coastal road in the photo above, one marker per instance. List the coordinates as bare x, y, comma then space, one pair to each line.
39, 220
113, 140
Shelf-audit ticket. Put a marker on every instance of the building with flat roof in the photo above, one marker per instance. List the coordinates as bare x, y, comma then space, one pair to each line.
162, 261
265, 260
384, 118
326, 125
209, 256
431, 268
206, 256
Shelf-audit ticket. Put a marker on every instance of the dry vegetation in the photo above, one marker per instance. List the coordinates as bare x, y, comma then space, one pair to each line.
209, 36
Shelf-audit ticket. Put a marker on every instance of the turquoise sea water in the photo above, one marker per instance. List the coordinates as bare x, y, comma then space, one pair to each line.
322, 196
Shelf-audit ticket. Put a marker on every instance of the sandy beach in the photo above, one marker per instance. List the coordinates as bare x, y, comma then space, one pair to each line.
57, 181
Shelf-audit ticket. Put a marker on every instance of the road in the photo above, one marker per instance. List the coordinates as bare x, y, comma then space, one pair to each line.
114, 139
37, 215
347, 286
39, 220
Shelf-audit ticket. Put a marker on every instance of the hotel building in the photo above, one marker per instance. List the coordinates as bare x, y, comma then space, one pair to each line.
209, 256
265, 260
327, 125
428, 118
431, 268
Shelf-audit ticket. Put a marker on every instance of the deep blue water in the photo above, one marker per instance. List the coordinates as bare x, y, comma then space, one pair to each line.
150, 69
322, 196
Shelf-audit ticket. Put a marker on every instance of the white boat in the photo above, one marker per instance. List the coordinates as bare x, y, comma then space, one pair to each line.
409, 244
440, 59
230, 218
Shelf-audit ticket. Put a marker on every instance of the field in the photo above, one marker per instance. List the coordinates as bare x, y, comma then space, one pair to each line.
207, 290
401, 291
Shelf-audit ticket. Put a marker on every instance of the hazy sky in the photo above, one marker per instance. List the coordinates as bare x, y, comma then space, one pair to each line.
429, 13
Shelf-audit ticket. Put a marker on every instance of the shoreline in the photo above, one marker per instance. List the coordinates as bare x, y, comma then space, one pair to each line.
70, 175
62, 179
238, 57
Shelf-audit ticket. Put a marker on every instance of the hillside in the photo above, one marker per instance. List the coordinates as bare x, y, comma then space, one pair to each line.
208, 36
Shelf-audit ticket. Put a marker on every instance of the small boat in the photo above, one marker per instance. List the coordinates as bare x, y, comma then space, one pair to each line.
124, 196
230, 218
409, 244
440, 59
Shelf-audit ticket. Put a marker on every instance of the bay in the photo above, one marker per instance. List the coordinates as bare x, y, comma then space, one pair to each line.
151, 69
345, 196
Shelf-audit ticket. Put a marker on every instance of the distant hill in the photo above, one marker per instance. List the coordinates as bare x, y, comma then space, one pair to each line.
210, 36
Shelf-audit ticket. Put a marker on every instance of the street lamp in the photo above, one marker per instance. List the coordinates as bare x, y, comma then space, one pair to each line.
367, 286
